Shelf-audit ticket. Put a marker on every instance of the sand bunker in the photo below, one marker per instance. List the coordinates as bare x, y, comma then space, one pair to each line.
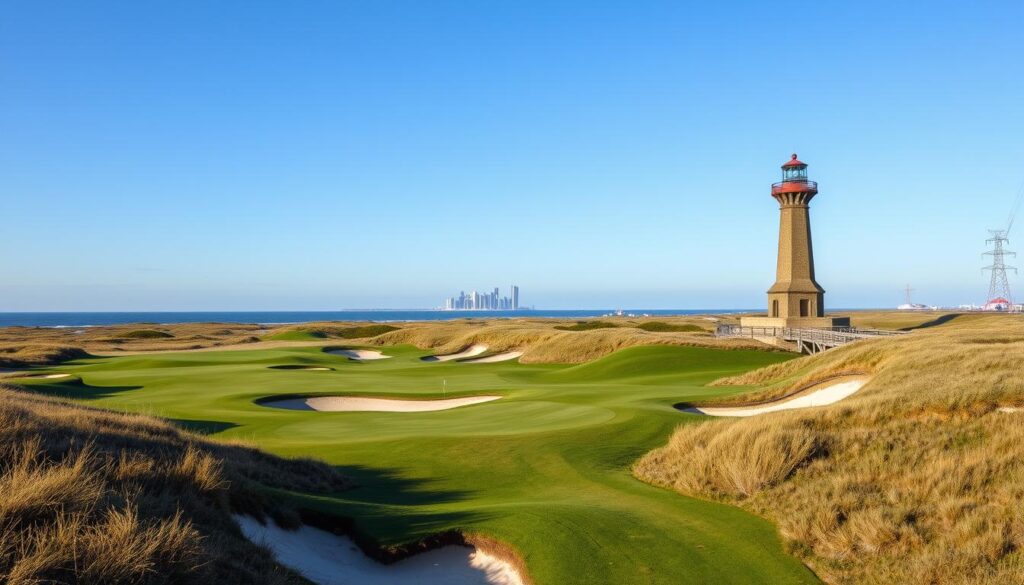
357, 404
329, 559
821, 396
498, 357
359, 355
298, 367
471, 351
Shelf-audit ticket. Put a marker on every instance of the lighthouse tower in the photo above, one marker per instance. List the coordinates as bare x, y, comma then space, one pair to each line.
796, 299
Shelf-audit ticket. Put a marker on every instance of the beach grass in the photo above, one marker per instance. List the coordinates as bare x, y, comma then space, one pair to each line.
90, 496
915, 479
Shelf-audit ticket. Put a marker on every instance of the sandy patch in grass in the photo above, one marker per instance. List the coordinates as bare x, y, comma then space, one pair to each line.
360, 355
473, 350
39, 376
358, 404
329, 559
820, 396
498, 357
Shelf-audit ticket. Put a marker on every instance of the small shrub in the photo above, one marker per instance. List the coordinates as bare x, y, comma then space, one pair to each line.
144, 334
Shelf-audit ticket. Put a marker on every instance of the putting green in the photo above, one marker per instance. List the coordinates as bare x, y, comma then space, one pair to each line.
545, 469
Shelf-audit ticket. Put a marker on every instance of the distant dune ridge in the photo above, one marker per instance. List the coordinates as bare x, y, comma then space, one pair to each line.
539, 339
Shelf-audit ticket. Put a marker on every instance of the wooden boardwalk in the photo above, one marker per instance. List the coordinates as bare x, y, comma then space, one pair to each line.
807, 340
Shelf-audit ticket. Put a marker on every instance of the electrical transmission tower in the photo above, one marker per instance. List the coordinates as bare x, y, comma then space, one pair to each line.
999, 287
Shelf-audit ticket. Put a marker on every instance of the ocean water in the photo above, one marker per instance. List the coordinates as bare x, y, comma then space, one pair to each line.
283, 317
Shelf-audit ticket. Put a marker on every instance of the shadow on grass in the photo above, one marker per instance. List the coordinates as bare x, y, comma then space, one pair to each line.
74, 388
385, 508
203, 427
940, 320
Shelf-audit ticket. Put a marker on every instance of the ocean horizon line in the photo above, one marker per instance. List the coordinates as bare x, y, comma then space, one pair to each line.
62, 319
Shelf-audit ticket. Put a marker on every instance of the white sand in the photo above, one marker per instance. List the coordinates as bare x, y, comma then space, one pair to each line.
53, 376
473, 350
361, 355
328, 559
1009, 409
357, 404
821, 397
498, 357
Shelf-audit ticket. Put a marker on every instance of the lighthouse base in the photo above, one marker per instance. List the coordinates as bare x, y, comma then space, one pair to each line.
795, 322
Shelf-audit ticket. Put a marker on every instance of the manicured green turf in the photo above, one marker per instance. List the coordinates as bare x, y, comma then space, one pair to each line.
545, 469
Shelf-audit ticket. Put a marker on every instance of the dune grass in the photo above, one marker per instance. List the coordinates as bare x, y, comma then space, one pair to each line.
89, 496
662, 327
20, 355
315, 331
551, 341
545, 470
586, 326
915, 479
144, 334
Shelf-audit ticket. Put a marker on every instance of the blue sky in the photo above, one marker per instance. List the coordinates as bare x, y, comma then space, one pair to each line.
326, 155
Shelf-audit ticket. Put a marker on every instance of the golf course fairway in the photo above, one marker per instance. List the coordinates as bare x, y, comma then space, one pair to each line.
545, 469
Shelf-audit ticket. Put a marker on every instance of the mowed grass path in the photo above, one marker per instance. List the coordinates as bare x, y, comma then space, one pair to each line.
545, 469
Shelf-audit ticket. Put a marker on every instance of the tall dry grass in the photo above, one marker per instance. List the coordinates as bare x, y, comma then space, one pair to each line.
88, 496
917, 478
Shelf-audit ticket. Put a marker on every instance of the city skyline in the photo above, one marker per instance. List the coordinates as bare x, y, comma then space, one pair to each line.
490, 301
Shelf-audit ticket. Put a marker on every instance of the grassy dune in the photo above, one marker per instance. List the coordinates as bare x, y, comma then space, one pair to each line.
541, 339
915, 479
545, 470
88, 496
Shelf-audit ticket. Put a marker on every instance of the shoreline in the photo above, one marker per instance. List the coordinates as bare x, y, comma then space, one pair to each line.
92, 319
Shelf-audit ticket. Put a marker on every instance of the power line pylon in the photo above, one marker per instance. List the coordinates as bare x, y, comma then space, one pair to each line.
999, 286
907, 292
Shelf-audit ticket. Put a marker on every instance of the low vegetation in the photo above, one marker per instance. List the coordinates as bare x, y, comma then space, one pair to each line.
662, 327
915, 479
586, 326
144, 334
18, 355
90, 496
550, 341
129, 338
311, 332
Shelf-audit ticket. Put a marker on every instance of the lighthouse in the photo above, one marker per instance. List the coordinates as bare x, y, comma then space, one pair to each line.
796, 299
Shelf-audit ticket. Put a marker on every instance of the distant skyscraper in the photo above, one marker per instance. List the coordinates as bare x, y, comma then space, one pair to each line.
488, 301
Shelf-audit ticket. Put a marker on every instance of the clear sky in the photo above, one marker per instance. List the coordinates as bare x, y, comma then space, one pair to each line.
189, 155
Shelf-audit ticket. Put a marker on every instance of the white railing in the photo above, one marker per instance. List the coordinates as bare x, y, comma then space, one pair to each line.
830, 337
